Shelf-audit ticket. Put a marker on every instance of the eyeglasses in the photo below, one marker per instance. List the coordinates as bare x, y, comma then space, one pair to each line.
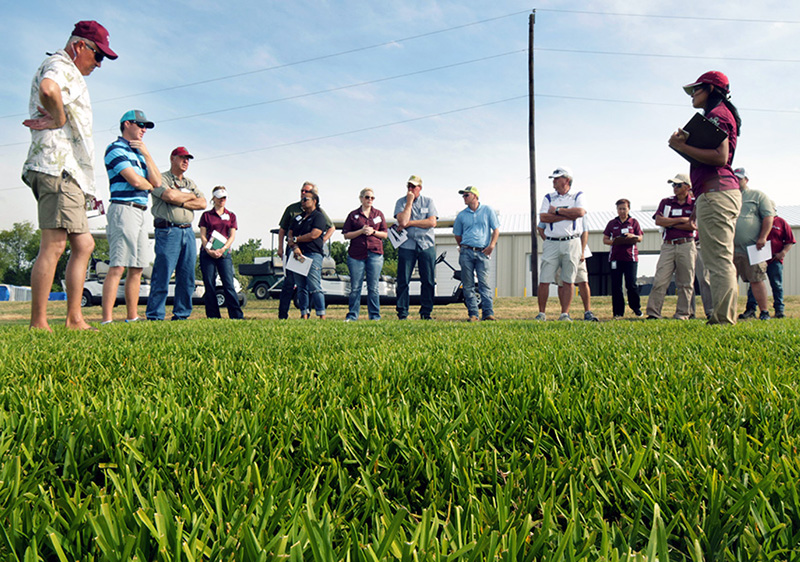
98, 56
370, 197
306, 199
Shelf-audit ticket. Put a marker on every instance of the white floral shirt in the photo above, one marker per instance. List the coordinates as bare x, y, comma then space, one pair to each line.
70, 148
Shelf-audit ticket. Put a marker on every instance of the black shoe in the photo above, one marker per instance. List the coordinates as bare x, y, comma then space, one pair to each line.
748, 314
779, 314
421, 317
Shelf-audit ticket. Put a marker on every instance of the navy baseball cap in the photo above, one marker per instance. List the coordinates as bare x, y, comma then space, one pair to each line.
137, 116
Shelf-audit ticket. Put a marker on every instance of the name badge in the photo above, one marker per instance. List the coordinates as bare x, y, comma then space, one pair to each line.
424, 211
377, 220
185, 190
624, 231
677, 212
225, 217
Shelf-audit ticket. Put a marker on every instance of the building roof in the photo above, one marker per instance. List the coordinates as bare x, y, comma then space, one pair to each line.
596, 221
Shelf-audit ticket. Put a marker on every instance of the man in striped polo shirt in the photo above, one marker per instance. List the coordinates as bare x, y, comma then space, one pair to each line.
132, 175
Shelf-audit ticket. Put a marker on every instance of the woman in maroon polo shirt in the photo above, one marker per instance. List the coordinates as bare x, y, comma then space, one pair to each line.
716, 190
623, 234
366, 229
217, 233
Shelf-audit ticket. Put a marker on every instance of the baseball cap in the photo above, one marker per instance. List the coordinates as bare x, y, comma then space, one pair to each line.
96, 33
415, 180
181, 151
470, 189
138, 116
561, 173
740, 173
713, 77
681, 178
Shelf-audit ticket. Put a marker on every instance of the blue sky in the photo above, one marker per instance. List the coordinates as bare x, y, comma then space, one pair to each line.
607, 116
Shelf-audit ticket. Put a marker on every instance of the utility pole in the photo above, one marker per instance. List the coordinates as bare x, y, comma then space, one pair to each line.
532, 156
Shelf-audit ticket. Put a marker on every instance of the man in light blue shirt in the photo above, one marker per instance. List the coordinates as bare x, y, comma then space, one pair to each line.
416, 215
476, 230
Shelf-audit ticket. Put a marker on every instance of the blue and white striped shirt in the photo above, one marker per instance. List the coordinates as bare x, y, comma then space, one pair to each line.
120, 155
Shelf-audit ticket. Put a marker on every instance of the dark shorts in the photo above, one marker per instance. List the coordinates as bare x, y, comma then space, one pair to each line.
61, 202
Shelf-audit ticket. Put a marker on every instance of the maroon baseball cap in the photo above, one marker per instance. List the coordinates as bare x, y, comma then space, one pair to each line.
181, 151
713, 77
96, 33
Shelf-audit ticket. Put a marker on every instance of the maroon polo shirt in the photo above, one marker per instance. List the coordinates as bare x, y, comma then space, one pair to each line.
676, 210
779, 235
722, 117
222, 224
614, 229
361, 245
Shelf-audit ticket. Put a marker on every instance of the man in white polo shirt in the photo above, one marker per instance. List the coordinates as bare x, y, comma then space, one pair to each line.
561, 212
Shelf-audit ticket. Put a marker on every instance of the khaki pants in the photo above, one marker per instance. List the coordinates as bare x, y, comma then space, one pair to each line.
716, 223
678, 259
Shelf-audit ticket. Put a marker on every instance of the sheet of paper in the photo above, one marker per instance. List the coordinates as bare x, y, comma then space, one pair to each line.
757, 256
397, 238
296, 266
587, 253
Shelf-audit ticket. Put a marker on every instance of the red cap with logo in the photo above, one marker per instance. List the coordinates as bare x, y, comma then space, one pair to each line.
181, 151
96, 33
714, 78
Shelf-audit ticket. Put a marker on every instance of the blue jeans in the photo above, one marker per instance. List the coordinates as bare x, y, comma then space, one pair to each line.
176, 250
287, 290
309, 288
373, 265
223, 266
775, 276
472, 262
405, 265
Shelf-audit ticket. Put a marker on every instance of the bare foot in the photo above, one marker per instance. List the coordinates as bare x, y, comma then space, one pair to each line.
46, 327
81, 326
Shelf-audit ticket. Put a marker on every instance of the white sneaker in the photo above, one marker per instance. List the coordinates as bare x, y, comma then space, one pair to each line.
540, 317
564, 317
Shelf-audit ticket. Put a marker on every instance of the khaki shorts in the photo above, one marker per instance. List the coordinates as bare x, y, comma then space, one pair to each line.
563, 254
581, 275
61, 202
127, 236
749, 273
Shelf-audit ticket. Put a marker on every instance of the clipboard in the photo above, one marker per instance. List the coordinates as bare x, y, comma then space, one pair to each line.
702, 133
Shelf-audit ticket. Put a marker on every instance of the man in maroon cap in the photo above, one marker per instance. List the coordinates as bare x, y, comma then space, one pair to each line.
174, 203
60, 166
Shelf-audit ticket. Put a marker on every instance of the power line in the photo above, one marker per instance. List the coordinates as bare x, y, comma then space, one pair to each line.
657, 55
362, 130
355, 85
661, 16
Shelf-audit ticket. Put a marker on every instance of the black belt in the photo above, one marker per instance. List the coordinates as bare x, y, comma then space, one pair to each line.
473, 248
130, 204
683, 240
160, 223
564, 238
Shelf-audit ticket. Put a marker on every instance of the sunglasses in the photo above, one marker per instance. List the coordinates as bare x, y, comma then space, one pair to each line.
98, 56
466, 194
370, 197
140, 124
412, 186
306, 199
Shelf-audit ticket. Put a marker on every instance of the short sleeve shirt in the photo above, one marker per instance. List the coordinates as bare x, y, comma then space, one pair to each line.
671, 208
421, 209
173, 213
779, 236
722, 117
755, 207
616, 228
476, 227
562, 229
362, 245
296, 209
303, 225
214, 222
119, 156
69, 148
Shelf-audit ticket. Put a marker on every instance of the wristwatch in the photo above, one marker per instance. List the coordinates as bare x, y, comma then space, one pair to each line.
556, 210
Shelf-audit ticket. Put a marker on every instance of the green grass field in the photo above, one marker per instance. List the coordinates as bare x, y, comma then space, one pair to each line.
262, 440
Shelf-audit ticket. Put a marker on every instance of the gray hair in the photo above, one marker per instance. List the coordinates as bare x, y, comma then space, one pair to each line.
313, 187
366, 190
